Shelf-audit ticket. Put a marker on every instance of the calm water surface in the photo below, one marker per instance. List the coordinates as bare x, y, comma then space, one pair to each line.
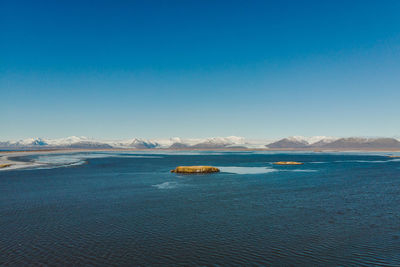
127, 209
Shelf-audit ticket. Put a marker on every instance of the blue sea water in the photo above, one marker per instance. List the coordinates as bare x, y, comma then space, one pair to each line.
127, 209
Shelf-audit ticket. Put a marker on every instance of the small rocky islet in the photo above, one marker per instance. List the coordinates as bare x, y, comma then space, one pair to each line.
195, 169
288, 163
5, 165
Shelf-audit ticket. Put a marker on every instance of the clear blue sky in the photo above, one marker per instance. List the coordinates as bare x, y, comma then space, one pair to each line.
258, 69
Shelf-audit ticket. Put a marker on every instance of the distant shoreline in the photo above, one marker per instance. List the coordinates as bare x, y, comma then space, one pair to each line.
8, 159
316, 150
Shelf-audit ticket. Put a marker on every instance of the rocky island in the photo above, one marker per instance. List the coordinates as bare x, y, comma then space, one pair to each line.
288, 163
4, 165
195, 169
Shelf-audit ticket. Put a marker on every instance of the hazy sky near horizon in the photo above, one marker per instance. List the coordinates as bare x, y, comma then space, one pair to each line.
155, 69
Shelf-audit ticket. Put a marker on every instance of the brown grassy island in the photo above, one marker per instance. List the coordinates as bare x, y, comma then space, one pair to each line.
288, 163
195, 169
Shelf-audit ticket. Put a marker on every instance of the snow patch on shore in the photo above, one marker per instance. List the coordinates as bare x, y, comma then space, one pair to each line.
245, 170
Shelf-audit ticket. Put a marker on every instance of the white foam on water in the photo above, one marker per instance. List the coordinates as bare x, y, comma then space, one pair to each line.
166, 185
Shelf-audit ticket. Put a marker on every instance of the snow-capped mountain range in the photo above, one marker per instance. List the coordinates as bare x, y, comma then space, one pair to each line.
84, 142
230, 142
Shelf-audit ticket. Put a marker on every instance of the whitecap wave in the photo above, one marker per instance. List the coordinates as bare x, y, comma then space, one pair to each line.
166, 185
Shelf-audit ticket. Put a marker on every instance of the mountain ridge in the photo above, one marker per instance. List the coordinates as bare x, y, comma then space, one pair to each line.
230, 142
